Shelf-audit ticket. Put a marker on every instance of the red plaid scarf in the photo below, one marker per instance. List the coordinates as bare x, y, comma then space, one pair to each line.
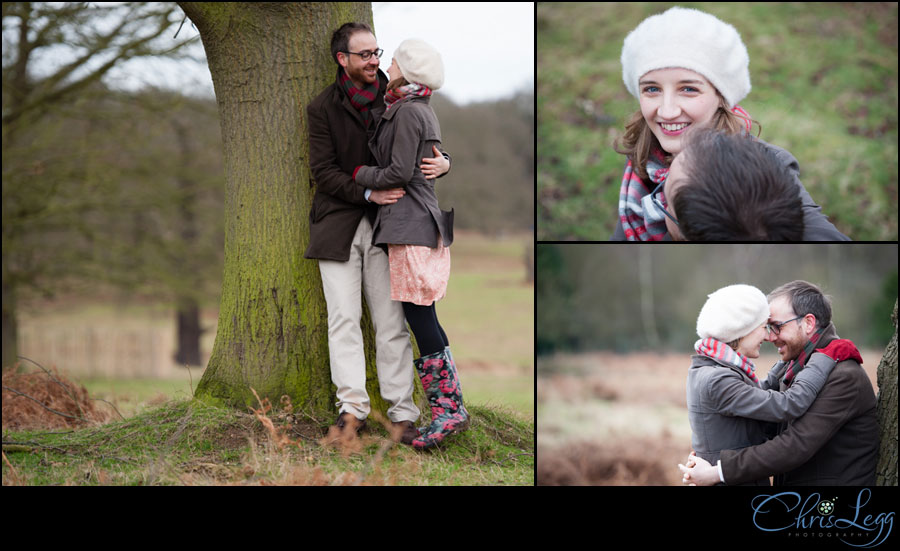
797, 364
393, 96
360, 98
641, 219
718, 350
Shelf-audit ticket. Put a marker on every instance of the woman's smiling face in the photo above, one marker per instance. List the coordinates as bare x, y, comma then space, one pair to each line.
674, 100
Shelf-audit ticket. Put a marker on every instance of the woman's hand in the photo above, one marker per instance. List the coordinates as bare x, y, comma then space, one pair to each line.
386, 196
434, 167
698, 472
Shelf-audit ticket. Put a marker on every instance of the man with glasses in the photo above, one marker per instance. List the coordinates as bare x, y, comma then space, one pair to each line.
836, 441
341, 120
730, 188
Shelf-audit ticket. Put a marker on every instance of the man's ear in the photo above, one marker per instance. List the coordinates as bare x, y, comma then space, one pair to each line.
809, 324
342, 59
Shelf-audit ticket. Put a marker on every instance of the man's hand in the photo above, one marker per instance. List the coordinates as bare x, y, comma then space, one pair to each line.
434, 167
698, 472
386, 196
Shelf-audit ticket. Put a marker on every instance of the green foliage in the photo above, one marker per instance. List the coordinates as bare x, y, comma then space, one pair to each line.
882, 307
824, 88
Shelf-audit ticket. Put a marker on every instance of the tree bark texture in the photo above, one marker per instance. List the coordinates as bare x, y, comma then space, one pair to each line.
886, 472
268, 61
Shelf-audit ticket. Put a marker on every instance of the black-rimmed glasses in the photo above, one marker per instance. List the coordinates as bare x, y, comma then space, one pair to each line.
775, 326
367, 55
655, 198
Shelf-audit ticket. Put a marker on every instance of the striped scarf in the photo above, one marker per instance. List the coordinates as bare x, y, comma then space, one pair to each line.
718, 350
360, 98
393, 96
797, 364
641, 219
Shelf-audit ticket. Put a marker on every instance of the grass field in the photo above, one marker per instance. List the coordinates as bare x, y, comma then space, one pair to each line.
824, 87
122, 346
153, 433
184, 442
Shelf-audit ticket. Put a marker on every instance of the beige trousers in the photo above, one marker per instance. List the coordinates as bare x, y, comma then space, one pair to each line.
343, 282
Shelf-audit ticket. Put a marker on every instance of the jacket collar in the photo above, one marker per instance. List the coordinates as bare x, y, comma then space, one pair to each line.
699, 360
389, 113
828, 335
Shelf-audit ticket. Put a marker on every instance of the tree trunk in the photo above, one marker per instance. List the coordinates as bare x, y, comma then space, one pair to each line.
187, 273
886, 471
10, 334
268, 61
187, 319
645, 270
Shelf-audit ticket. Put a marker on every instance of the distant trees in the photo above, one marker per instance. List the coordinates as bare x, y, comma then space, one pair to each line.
491, 183
599, 296
54, 178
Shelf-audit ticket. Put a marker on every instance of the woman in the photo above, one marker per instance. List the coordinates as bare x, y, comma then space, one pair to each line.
688, 70
728, 407
415, 231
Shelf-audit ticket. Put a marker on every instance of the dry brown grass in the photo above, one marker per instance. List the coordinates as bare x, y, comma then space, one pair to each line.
271, 462
47, 400
624, 462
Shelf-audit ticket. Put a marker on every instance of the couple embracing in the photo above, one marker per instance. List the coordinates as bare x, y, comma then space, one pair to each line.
375, 227
812, 421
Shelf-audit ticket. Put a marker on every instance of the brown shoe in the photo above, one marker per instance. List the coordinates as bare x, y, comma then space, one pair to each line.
404, 432
345, 420
344, 434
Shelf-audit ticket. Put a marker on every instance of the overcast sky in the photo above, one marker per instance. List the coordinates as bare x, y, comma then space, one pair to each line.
487, 48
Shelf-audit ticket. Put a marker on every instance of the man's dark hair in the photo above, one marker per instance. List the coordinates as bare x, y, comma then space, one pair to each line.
340, 39
736, 190
805, 299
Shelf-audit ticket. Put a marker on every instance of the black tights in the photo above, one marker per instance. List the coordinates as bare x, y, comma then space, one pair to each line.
425, 326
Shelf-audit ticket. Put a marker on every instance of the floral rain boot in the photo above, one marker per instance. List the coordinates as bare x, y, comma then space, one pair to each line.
441, 383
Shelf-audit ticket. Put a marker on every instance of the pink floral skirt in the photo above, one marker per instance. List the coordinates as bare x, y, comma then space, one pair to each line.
419, 274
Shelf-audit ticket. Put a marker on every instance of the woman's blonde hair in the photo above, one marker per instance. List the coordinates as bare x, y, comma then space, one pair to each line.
639, 140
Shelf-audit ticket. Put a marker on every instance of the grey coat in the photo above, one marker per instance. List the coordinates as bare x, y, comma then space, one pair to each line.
405, 135
727, 410
816, 224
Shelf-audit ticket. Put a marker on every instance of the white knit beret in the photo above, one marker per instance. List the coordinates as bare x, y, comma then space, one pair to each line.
732, 312
420, 63
689, 39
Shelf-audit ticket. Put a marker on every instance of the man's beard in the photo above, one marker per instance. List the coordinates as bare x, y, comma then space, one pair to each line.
358, 75
793, 349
